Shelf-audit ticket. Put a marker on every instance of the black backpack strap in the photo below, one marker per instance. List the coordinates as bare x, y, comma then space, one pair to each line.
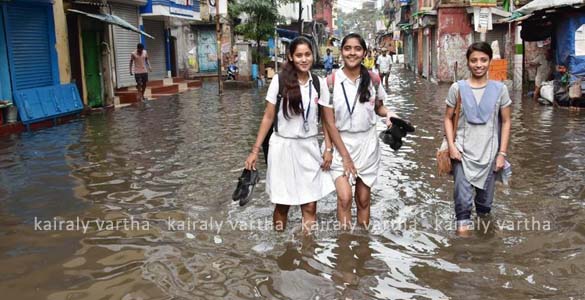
317, 86
278, 100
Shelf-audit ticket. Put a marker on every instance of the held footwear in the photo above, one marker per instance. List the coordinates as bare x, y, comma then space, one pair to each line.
245, 186
250, 184
393, 136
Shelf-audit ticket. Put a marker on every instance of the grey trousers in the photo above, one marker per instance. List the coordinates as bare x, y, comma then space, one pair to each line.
464, 194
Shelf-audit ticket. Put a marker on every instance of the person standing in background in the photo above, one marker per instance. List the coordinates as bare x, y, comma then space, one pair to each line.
138, 67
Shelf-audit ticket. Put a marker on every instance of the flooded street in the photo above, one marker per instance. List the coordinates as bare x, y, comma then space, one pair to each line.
153, 184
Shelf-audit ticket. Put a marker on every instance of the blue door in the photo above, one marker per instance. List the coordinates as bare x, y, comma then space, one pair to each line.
30, 36
5, 87
207, 51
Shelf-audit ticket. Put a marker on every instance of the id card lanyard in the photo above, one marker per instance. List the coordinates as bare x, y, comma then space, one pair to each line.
352, 109
306, 117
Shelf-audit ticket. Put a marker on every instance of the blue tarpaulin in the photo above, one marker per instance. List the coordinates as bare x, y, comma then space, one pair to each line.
565, 42
285, 33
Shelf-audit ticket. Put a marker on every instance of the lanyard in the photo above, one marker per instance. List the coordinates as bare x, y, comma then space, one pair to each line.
347, 101
305, 118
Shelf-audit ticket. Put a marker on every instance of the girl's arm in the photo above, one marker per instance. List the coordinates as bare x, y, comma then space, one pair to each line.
265, 125
332, 132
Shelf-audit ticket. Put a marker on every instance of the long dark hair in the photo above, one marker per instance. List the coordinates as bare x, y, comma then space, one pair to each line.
291, 91
364, 87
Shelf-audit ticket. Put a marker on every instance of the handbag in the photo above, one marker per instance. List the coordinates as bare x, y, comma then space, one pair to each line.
444, 166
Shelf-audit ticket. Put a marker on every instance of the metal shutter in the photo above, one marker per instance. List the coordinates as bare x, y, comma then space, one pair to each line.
156, 48
426, 54
498, 33
124, 43
29, 46
434, 65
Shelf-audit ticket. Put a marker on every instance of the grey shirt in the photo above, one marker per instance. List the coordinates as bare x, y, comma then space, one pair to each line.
478, 144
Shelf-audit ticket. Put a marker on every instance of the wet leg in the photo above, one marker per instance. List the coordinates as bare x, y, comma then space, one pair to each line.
463, 197
309, 211
484, 198
362, 200
280, 217
344, 196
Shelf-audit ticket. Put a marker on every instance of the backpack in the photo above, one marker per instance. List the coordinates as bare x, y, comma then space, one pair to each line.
274, 128
373, 76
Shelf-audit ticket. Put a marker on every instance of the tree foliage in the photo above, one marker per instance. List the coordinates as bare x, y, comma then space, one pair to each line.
261, 19
362, 21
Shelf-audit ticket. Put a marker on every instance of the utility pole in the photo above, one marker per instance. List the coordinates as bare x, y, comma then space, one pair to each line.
219, 56
275, 41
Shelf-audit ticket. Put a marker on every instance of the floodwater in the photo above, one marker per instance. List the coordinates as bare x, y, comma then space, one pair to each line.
153, 185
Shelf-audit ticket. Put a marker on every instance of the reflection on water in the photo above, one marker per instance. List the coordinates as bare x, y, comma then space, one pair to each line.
177, 160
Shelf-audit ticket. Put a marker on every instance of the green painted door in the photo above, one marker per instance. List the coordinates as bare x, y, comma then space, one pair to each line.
91, 64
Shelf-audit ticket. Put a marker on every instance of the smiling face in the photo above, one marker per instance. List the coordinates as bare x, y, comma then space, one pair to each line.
478, 63
302, 58
352, 53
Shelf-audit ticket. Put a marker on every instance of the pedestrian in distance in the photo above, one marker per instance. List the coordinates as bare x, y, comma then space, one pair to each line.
328, 62
294, 175
350, 122
384, 64
139, 67
478, 146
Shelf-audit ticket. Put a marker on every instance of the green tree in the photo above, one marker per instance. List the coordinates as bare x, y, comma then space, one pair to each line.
260, 23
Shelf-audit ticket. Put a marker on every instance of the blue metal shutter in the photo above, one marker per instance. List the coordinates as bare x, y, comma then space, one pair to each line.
30, 45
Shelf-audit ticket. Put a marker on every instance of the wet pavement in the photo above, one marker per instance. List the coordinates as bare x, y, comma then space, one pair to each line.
152, 185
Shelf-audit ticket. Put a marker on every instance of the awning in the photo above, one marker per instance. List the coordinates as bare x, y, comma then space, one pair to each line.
114, 20
537, 5
529, 9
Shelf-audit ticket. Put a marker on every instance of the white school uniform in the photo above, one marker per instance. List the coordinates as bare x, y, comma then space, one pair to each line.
358, 129
294, 174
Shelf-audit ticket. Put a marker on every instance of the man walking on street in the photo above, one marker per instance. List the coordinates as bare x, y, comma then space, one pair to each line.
384, 64
138, 68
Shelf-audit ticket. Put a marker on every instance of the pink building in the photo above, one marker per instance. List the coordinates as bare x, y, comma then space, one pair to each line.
324, 13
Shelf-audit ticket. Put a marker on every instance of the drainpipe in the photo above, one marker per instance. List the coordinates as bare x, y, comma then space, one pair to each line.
275, 42
518, 57
109, 78
168, 50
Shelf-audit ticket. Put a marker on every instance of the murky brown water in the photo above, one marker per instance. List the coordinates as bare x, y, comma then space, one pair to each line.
178, 160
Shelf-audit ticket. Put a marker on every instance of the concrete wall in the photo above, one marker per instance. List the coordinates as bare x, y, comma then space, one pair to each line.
62, 42
186, 41
455, 35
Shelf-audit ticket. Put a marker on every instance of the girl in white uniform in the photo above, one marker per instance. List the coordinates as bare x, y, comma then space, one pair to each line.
294, 175
350, 121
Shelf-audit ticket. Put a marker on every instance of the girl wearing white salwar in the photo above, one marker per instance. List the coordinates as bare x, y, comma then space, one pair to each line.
350, 122
294, 175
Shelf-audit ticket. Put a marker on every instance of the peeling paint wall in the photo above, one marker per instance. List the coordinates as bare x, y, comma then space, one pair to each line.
455, 35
